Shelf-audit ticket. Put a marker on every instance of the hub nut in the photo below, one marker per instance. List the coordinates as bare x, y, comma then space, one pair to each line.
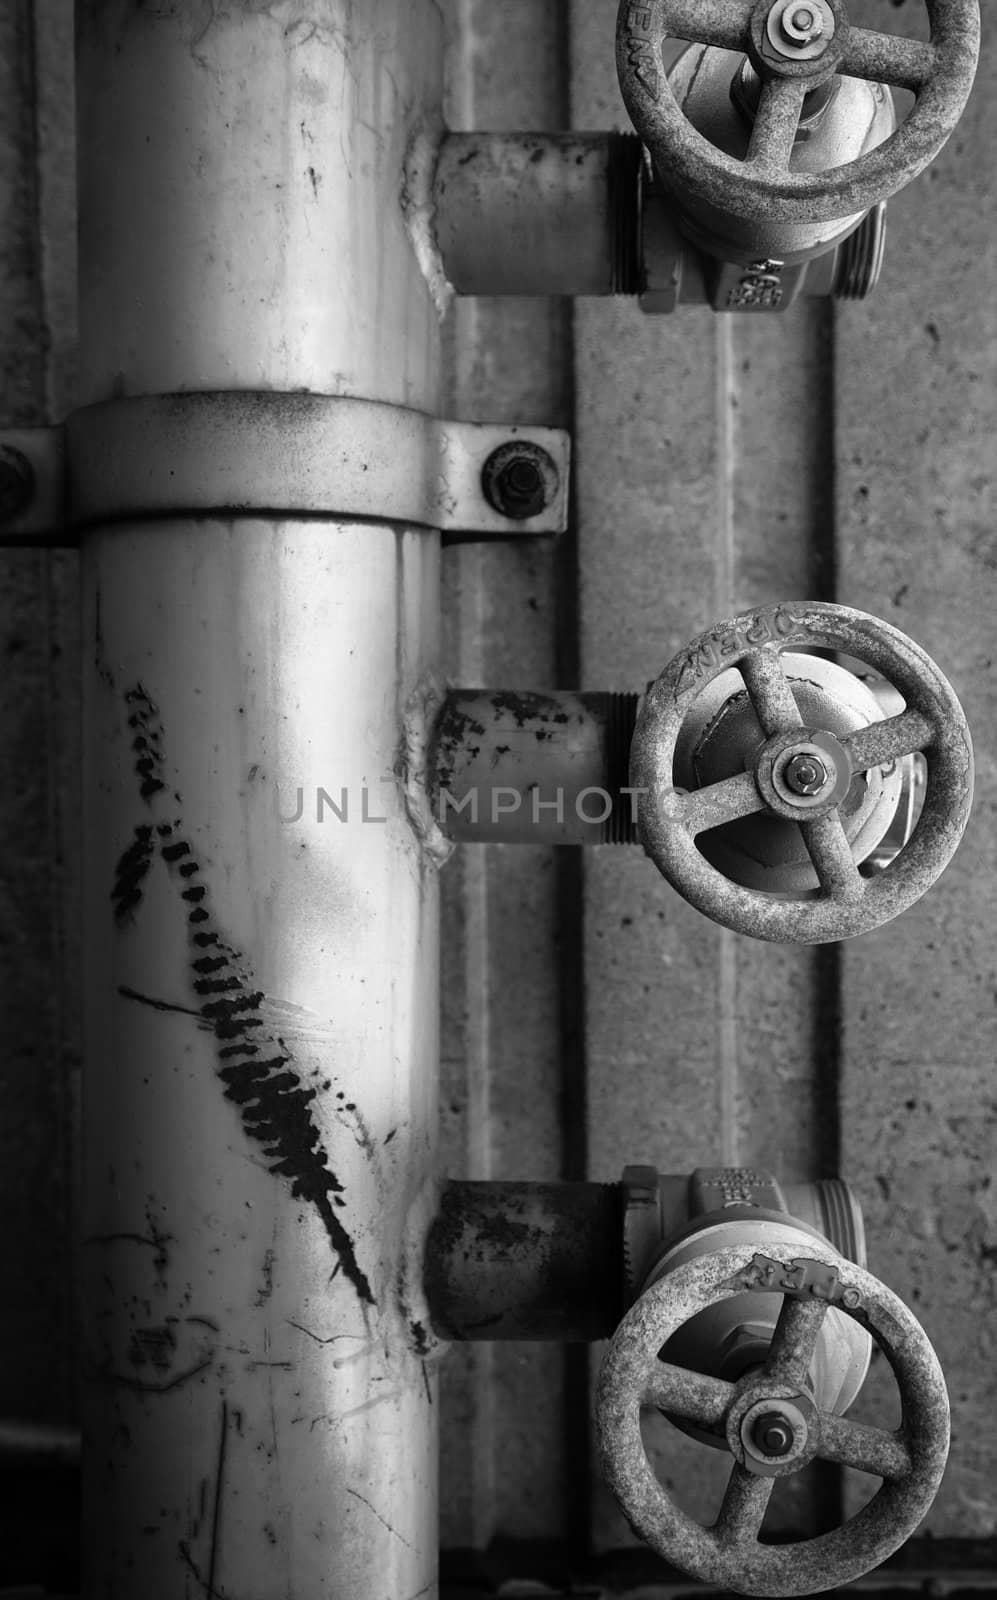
773, 1434
802, 24
800, 30
805, 774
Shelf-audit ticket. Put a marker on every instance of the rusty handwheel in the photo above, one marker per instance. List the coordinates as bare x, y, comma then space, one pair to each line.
770, 1422
795, 46
802, 774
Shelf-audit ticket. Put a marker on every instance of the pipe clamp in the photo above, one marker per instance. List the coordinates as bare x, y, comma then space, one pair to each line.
247, 453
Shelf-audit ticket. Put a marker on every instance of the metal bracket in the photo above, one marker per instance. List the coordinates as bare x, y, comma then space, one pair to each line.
242, 453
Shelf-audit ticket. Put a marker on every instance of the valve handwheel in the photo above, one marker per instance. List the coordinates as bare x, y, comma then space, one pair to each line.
795, 46
770, 1422
803, 774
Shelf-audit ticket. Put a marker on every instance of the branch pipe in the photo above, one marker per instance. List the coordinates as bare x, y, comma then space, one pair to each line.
539, 1261
542, 214
519, 767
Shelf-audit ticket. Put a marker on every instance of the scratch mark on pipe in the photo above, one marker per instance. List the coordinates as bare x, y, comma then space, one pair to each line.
382, 1520
191, 1565
157, 1005
216, 1515
365, 1405
331, 1338
118, 1380
155, 1243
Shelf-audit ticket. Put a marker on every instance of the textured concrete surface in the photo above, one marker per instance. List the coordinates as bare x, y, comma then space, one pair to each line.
503, 1451
914, 527
39, 856
590, 1017
839, 453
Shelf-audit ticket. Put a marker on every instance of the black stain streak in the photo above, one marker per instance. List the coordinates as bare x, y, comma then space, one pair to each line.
147, 741
257, 1069
266, 1286
104, 672
126, 892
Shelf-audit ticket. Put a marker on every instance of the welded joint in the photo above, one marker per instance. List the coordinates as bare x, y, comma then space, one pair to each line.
241, 453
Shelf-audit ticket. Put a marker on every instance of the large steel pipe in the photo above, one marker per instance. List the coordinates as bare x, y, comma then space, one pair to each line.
261, 1007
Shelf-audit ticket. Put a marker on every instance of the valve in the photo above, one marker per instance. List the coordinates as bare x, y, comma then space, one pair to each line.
750, 1326
768, 777
776, 137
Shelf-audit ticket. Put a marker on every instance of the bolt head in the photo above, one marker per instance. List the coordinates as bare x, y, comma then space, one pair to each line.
801, 24
805, 774
519, 480
17, 483
773, 1434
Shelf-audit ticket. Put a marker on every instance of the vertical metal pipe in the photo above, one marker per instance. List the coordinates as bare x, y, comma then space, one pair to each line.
261, 1014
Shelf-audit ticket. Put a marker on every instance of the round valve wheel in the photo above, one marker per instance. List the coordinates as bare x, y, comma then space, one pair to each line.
795, 46
802, 774
770, 1422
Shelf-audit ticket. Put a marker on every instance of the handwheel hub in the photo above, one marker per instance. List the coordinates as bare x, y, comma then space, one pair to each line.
800, 29
774, 1435
806, 775
803, 773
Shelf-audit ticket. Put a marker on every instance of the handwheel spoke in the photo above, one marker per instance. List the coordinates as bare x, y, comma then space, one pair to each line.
721, 802
777, 123
883, 742
691, 1395
885, 58
724, 23
795, 1339
827, 845
744, 1505
856, 1444
771, 696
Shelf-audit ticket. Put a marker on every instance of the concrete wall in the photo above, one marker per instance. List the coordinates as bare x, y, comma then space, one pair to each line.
841, 452
590, 1017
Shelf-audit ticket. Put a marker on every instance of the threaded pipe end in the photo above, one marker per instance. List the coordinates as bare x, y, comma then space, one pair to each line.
626, 159
860, 257
621, 720
840, 1219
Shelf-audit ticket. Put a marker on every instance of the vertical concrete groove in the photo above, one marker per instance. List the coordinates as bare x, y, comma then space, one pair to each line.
570, 868
827, 965
725, 601
827, 958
